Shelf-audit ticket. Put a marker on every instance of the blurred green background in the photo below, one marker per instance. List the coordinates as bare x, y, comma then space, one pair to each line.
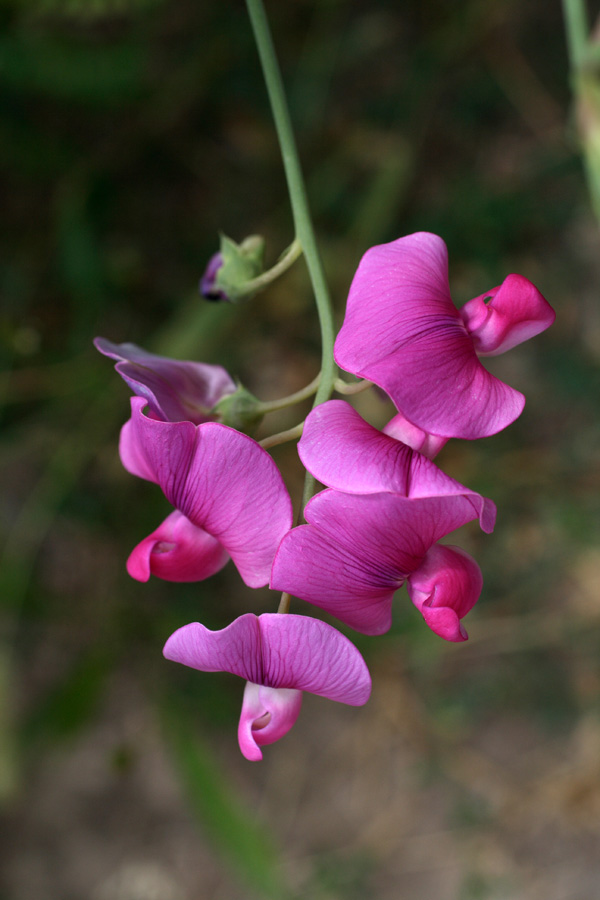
130, 134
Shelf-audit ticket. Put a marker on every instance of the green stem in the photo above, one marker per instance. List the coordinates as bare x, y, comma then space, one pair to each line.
357, 387
286, 259
290, 400
575, 14
293, 173
282, 437
284, 603
300, 211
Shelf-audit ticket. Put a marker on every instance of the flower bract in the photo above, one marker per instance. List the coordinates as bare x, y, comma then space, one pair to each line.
279, 656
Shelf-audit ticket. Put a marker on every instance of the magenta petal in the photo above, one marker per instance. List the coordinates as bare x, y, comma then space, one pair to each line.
278, 651
279, 656
513, 313
357, 551
267, 715
305, 653
444, 622
402, 331
235, 649
428, 444
328, 575
346, 453
445, 587
220, 479
177, 551
132, 453
176, 391
392, 531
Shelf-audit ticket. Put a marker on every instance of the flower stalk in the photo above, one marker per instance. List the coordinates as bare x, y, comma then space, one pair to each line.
300, 211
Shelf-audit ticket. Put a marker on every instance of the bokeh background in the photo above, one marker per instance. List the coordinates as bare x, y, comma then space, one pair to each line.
130, 134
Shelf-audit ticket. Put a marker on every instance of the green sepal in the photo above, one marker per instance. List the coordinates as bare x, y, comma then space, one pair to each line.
239, 411
242, 263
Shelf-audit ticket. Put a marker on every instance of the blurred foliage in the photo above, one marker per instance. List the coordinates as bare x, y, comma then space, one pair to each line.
132, 131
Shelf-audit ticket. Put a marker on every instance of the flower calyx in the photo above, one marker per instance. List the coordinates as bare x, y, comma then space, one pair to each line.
230, 273
239, 410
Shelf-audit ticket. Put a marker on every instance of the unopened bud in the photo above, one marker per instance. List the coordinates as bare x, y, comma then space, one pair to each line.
239, 411
231, 271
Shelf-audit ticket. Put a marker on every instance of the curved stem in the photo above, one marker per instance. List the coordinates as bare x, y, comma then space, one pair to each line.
290, 400
357, 387
293, 173
287, 259
282, 437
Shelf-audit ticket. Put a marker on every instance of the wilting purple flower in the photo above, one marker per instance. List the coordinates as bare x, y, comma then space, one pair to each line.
356, 551
175, 391
346, 453
208, 283
279, 656
221, 481
403, 332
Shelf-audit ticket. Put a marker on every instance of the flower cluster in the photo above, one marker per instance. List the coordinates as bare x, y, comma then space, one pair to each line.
386, 504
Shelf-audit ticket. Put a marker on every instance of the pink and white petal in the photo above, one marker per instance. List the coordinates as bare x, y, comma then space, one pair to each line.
506, 316
177, 551
445, 587
428, 444
311, 566
176, 390
346, 453
267, 715
310, 655
402, 331
235, 649
224, 482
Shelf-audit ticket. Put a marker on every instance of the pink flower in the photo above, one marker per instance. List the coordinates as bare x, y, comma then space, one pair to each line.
225, 485
356, 551
346, 453
279, 656
403, 332
175, 391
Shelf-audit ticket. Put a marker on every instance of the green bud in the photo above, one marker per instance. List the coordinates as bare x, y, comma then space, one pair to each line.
239, 411
229, 271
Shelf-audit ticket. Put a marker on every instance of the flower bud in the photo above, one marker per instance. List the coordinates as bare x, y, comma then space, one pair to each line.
229, 272
239, 411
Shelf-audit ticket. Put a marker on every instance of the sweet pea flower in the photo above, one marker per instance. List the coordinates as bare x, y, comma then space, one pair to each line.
280, 656
226, 489
356, 551
175, 391
403, 332
344, 452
